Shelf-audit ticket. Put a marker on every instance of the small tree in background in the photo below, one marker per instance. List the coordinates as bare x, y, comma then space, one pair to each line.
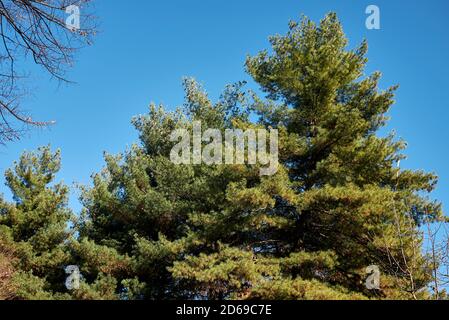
35, 226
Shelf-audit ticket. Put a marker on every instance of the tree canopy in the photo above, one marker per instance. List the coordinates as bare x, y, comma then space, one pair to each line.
152, 229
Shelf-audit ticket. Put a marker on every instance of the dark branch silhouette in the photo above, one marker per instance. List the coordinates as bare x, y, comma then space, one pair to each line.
36, 29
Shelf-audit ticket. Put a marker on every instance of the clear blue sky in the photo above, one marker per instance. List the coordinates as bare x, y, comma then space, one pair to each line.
146, 47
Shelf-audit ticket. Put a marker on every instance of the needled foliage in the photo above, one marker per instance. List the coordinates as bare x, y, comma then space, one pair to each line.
336, 205
152, 229
33, 228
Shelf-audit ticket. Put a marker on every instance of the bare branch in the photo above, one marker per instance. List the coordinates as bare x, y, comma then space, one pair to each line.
36, 29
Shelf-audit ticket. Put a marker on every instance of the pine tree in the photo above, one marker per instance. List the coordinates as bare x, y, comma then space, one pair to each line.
353, 201
34, 228
337, 204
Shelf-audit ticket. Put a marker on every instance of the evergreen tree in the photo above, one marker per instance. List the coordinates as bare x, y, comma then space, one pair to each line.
34, 228
337, 204
353, 200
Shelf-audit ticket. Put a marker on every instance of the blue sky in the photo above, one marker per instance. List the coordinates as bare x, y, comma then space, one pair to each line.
144, 48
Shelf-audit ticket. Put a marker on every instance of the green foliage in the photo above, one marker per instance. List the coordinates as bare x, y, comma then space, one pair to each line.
151, 229
337, 204
298, 289
35, 226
